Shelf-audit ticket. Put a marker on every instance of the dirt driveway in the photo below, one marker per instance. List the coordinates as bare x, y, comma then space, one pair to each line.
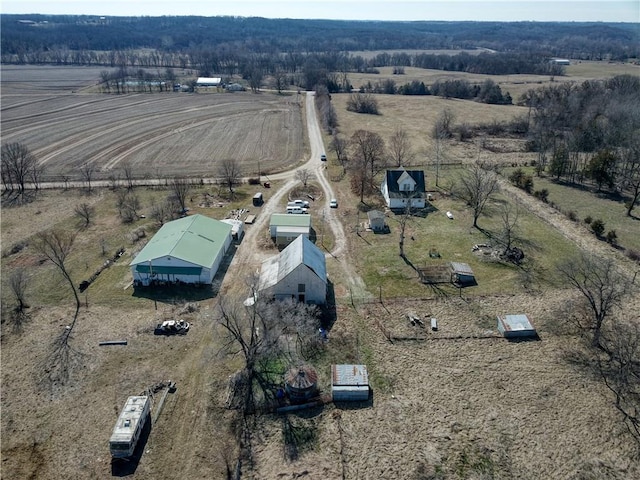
249, 256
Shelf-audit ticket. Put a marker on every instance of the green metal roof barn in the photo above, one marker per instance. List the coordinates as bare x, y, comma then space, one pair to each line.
187, 250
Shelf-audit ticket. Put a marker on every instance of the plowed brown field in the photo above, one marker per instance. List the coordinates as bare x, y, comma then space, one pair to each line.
168, 134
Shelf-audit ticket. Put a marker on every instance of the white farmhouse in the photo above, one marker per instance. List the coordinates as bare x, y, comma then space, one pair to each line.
401, 187
188, 250
298, 272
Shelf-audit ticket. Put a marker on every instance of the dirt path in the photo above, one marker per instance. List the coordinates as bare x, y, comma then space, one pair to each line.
571, 230
249, 255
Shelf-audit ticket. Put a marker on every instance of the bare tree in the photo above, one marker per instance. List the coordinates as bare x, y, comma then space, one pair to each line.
56, 246
620, 369
84, 212
339, 147
477, 186
87, 170
19, 166
255, 78
127, 172
400, 148
229, 173
601, 284
631, 175
128, 204
18, 284
180, 187
368, 155
280, 79
404, 219
442, 130
162, 211
509, 215
258, 332
65, 180
304, 175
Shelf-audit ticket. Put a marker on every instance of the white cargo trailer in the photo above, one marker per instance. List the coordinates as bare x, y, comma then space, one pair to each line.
129, 427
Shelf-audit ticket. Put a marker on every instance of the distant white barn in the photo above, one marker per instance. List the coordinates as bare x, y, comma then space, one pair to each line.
208, 82
298, 272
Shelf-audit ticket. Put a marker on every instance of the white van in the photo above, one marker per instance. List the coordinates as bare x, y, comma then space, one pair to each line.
296, 209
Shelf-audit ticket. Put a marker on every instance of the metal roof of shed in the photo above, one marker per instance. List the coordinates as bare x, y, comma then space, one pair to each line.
461, 268
516, 323
349, 375
195, 239
291, 220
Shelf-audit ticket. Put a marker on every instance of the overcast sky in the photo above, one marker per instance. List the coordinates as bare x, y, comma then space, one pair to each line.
499, 10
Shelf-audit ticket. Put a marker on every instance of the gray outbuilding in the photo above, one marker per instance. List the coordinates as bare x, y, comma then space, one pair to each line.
376, 221
516, 326
299, 272
462, 274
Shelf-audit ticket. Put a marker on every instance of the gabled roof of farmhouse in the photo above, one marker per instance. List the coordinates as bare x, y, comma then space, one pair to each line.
300, 251
195, 239
395, 177
290, 220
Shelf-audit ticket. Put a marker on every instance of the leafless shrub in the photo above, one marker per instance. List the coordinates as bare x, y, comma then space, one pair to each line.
84, 212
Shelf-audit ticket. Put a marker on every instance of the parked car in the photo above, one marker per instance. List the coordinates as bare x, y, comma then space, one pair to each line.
323, 158
172, 327
333, 203
298, 203
297, 209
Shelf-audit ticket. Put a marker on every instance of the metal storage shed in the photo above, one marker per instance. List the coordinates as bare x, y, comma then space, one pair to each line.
376, 220
516, 326
349, 383
462, 274
285, 228
187, 250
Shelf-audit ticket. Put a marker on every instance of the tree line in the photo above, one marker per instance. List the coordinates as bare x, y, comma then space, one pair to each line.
588, 132
187, 40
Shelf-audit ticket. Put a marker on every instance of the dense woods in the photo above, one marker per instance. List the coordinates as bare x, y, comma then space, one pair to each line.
224, 44
589, 133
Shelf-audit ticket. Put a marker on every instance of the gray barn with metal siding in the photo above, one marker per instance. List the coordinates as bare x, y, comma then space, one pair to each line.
298, 272
349, 383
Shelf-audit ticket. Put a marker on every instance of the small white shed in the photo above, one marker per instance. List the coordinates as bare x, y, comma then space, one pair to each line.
376, 220
516, 326
349, 383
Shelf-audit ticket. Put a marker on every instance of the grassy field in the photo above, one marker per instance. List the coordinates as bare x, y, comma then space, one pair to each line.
106, 229
584, 202
462, 402
385, 272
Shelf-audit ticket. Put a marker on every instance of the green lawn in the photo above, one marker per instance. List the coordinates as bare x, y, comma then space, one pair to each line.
379, 263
